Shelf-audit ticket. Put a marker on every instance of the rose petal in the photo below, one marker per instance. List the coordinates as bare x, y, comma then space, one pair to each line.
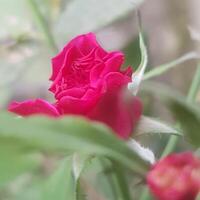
86, 43
60, 71
74, 92
57, 63
72, 105
128, 71
116, 79
92, 94
96, 73
64, 59
113, 63
32, 107
119, 113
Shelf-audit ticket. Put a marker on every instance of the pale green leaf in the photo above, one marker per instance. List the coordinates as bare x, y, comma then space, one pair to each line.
144, 152
89, 15
149, 125
78, 164
159, 70
138, 74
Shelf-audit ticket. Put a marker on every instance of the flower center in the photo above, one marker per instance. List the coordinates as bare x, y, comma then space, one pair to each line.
78, 73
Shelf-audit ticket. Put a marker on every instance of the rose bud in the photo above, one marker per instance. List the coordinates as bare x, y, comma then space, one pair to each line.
88, 81
176, 177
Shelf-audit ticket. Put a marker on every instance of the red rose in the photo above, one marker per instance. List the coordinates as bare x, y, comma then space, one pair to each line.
82, 73
176, 177
88, 81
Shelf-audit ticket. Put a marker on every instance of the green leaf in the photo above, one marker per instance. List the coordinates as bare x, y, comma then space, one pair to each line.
62, 184
79, 163
157, 71
69, 134
149, 125
132, 49
32, 191
13, 163
187, 114
194, 87
189, 118
112, 180
138, 75
120, 182
103, 181
91, 15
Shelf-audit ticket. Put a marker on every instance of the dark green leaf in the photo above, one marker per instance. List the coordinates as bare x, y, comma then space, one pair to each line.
189, 118
187, 114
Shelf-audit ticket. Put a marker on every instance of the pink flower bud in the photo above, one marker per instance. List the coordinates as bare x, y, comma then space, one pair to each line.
176, 177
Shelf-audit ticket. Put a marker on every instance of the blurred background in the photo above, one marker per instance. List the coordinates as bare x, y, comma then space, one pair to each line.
33, 31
